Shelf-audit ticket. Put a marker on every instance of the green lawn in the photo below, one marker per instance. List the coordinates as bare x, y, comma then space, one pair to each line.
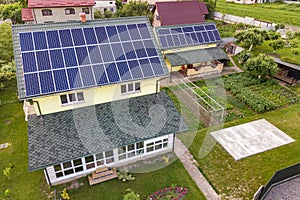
277, 13
26, 185
241, 179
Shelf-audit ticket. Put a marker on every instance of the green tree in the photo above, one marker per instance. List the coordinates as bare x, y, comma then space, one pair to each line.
98, 14
249, 38
108, 14
279, 26
277, 44
119, 4
7, 72
244, 56
272, 35
261, 66
13, 12
134, 8
6, 47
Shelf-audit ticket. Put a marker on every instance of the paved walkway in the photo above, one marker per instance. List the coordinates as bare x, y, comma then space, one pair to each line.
190, 165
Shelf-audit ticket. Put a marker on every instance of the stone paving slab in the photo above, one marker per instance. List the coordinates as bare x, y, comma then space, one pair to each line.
3, 146
251, 138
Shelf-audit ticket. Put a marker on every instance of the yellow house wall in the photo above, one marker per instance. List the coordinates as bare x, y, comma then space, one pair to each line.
58, 15
156, 23
92, 96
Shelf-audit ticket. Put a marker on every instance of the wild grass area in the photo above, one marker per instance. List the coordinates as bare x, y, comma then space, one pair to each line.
24, 185
271, 12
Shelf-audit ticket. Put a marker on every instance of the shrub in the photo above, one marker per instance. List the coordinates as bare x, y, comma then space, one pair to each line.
64, 195
131, 195
124, 176
7, 193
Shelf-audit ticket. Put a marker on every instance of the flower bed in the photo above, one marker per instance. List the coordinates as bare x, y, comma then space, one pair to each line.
171, 193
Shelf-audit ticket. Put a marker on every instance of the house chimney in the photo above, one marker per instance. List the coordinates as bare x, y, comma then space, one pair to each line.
82, 17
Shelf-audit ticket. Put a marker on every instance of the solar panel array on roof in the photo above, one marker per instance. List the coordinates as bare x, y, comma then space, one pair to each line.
173, 37
61, 60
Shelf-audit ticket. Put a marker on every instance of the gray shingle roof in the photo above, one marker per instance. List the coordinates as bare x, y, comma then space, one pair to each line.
196, 56
72, 134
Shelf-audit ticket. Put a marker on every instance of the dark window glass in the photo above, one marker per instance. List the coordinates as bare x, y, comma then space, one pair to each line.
46, 12
110, 160
130, 87
67, 165
100, 162
63, 99
80, 96
69, 11
57, 167
72, 97
91, 165
130, 147
79, 169
89, 159
123, 89
99, 156
77, 162
86, 10
137, 86
139, 145
109, 153
59, 174
69, 171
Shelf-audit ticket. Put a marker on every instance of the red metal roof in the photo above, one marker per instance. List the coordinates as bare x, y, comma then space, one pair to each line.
181, 12
27, 14
59, 3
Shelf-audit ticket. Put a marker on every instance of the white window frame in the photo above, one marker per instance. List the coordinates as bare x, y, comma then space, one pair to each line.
63, 169
136, 87
126, 153
68, 98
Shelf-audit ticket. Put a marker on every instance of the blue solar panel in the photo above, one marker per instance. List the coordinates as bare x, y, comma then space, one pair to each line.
217, 35
32, 84
74, 78
146, 67
56, 59
66, 38
133, 32
139, 49
77, 34
95, 54
135, 69
124, 71
65, 59
29, 64
82, 56
90, 36
175, 37
123, 33
130, 53
70, 57
118, 51
144, 31
156, 66
40, 40
205, 37
87, 76
53, 39
43, 60
188, 38
169, 40
46, 80
100, 74
112, 72
106, 53
112, 34
60, 79
211, 36
26, 42
101, 34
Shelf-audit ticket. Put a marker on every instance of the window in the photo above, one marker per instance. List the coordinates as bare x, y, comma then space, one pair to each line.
110, 2
130, 88
46, 12
86, 10
111, 9
69, 11
71, 98
157, 145
131, 150
67, 168
157, 17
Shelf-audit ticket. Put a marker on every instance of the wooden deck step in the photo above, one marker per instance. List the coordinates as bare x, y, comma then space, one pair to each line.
102, 175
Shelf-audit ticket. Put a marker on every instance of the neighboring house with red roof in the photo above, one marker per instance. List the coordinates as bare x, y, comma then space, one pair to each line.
179, 12
45, 11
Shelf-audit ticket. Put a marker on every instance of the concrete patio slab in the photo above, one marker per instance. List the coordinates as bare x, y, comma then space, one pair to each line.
251, 138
